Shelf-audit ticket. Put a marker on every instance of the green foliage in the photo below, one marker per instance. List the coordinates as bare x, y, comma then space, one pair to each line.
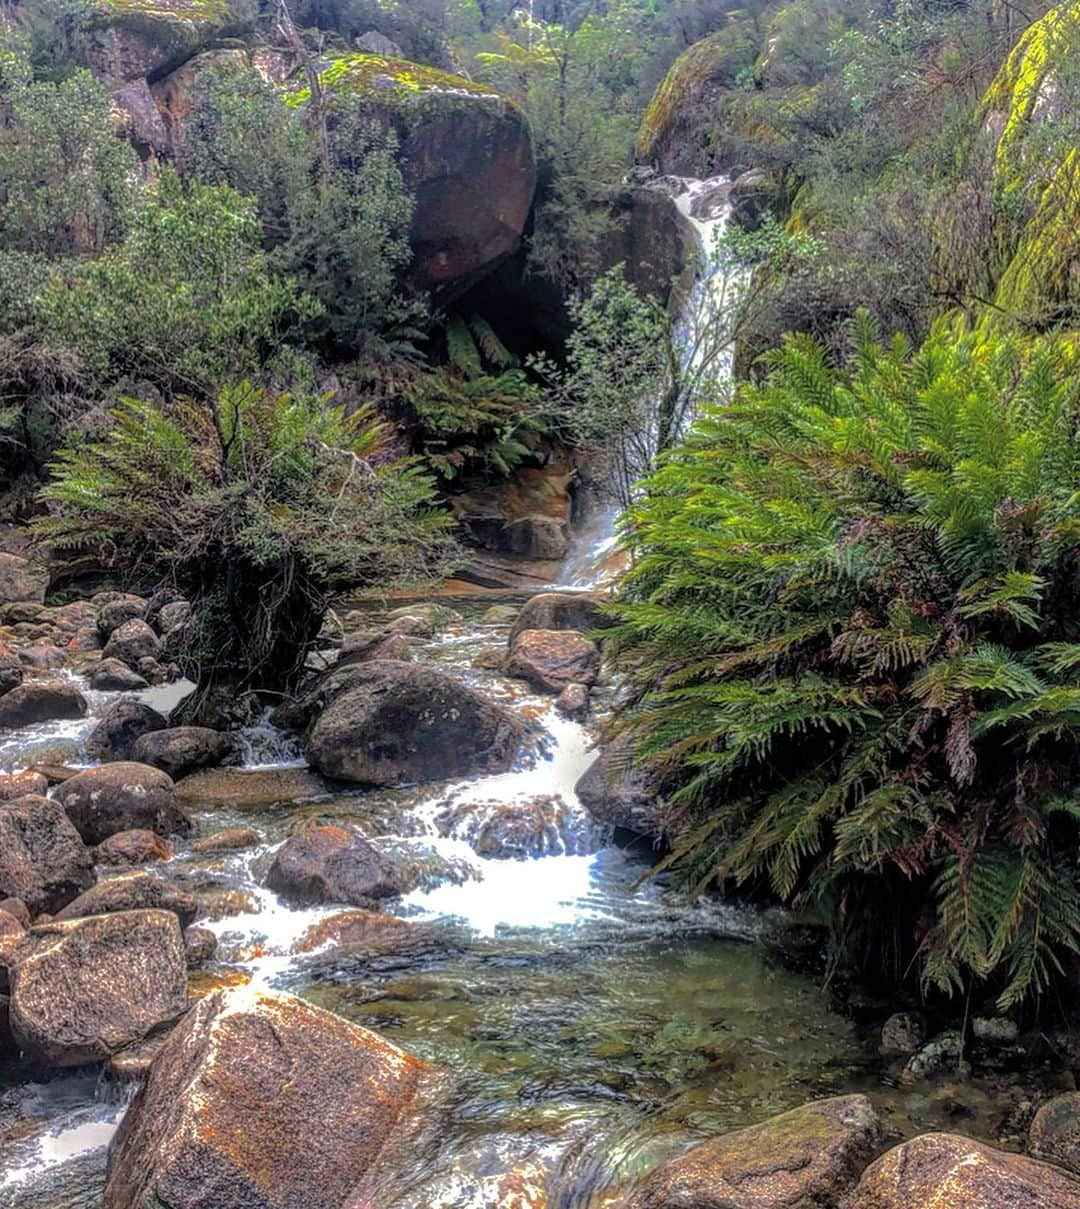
851, 634
258, 507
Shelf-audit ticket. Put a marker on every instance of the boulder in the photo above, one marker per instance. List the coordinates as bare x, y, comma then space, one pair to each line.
573, 702
200, 944
753, 194
804, 1159
558, 611
12, 939
43, 860
231, 839
85, 988
541, 826
615, 792
136, 847
122, 797
260, 1099
171, 615
11, 672
21, 580
120, 608
1055, 1132
903, 1033
941, 1169
111, 675
121, 724
553, 659
325, 864
134, 891
43, 656
179, 750
135, 118
40, 701
22, 784
400, 723
132, 641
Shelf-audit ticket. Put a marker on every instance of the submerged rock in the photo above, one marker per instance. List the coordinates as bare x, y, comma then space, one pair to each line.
43, 860
259, 1099
179, 750
958, 1173
332, 865
40, 701
132, 891
85, 988
552, 660
122, 797
804, 1159
401, 723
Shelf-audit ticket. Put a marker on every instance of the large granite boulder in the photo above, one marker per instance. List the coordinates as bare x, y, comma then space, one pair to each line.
261, 1100
1055, 1132
122, 797
400, 723
179, 750
118, 728
134, 891
959, 1173
332, 865
43, 860
804, 1159
35, 701
84, 988
553, 659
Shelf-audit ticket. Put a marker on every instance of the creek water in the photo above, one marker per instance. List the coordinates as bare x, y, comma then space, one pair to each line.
588, 1024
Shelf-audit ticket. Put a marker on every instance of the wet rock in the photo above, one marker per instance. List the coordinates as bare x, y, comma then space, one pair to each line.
326, 864
121, 724
136, 847
231, 839
941, 1169
122, 797
85, 988
362, 930
119, 609
435, 617
221, 903
613, 791
43, 860
22, 784
1055, 1132
43, 657
40, 701
294, 1107
111, 675
200, 944
944, 1052
400, 723
552, 659
559, 611
500, 614
21, 580
804, 1159
85, 639
132, 641
179, 750
132, 1065
366, 646
55, 774
540, 826
11, 672
17, 908
249, 789
134, 891
573, 702
903, 1033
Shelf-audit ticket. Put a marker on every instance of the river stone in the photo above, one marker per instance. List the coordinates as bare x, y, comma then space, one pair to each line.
85, 988
133, 891
558, 611
11, 672
553, 659
111, 676
400, 723
179, 750
805, 1159
136, 847
40, 701
20, 580
230, 839
1055, 1132
132, 641
22, 784
121, 797
120, 608
120, 725
259, 1100
616, 793
573, 702
43, 860
327, 864
366, 931
941, 1169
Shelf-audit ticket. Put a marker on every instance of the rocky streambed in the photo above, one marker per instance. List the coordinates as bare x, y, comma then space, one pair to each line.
381, 951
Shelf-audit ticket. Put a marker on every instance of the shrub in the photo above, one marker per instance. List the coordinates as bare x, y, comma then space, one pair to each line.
852, 634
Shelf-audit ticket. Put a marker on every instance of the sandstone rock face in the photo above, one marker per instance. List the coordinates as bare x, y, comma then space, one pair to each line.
122, 797
260, 1099
558, 611
958, 1173
613, 792
120, 725
399, 723
804, 1159
1055, 1131
132, 641
553, 659
136, 847
332, 865
20, 580
130, 892
179, 750
527, 515
40, 701
85, 988
42, 858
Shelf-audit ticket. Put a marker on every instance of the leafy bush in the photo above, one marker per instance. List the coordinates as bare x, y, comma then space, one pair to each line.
258, 508
852, 633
